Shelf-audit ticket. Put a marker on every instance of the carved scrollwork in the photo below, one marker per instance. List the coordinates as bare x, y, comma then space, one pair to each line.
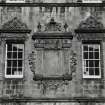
32, 62
51, 85
51, 82
52, 26
52, 50
73, 61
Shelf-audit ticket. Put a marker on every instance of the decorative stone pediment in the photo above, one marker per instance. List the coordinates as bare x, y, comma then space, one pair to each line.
14, 24
91, 23
90, 29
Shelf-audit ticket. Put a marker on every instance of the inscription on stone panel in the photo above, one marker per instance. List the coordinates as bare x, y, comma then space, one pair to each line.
52, 43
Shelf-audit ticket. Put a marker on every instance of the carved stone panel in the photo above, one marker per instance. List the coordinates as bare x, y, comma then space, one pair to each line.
52, 43
52, 63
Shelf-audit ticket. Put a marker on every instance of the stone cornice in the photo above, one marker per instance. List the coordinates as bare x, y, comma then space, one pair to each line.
15, 31
50, 35
60, 99
89, 31
53, 4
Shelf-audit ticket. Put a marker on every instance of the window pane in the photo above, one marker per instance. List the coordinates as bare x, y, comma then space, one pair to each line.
87, 63
19, 63
14, 63
15, 55
96, 63
8, 63
96, 55
19, 54
96, 71
20, 70
8, 71
91, 48
9, 55
91, 63
85, 55
87, 69
97, 48
14, 47
20, 47
9, 47
90, 55
14, 71
91, 71
85, 48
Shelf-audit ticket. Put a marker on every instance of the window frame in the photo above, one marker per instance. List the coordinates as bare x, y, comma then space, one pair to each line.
88, 76
15, 75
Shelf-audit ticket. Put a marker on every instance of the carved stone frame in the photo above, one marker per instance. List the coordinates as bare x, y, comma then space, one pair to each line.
43, 35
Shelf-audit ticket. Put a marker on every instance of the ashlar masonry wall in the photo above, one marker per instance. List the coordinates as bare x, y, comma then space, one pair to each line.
77, 87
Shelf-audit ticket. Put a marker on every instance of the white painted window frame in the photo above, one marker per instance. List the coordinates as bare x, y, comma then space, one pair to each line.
15, 1
91, 1
13, 76
83, 64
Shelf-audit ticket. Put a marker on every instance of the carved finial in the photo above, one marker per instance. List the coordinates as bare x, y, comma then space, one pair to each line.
65, 26
39, 27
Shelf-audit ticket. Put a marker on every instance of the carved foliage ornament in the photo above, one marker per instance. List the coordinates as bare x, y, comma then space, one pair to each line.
49, 83
51, 61
52, 26
66, 76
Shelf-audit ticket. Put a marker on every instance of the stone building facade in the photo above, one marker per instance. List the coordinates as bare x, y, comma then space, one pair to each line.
52, 55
